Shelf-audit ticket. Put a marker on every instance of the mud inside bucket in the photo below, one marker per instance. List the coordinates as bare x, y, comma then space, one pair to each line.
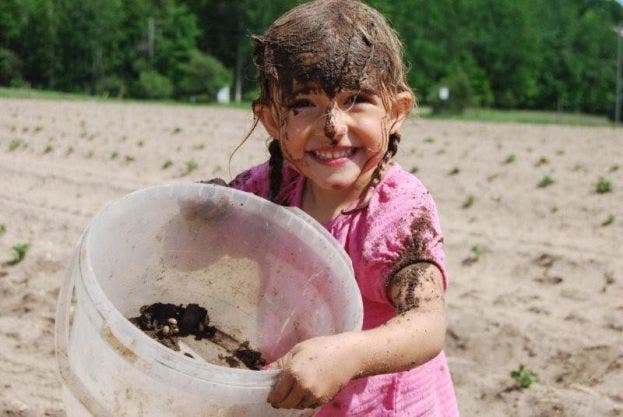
267, 274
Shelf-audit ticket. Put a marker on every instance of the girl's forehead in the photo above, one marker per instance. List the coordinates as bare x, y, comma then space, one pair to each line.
315, 88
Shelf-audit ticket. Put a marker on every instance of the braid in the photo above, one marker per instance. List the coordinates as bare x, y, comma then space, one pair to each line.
392, 148
275, 166
377, 175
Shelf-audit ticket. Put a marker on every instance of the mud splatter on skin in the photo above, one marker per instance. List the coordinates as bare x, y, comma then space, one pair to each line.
412, 273
417, 246
329, 125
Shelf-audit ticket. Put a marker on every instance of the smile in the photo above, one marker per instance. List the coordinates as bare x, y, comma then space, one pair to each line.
331, 155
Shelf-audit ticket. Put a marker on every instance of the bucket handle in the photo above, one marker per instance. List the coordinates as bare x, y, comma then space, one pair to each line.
61, 342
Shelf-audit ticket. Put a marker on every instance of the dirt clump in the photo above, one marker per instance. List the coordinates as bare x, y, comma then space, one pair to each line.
167, 323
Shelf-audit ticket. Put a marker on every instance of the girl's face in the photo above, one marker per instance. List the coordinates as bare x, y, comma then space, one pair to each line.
335, 141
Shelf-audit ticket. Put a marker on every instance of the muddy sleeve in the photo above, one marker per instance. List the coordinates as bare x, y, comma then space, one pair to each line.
402, 228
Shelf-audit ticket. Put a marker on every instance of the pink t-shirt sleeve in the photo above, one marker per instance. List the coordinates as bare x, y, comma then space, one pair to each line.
401, 227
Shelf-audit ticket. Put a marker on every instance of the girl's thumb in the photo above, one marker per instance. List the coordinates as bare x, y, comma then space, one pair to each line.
278, 364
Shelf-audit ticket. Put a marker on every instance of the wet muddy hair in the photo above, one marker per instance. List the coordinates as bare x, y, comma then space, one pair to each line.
336, 45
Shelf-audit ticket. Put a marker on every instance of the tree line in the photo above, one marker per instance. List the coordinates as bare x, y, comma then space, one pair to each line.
532, 54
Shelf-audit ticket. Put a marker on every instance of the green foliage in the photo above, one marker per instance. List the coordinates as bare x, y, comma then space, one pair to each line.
153, 85
2, 229
19, 252
523, 376
202, 76
530, 54
10, 67
111, 86
603, 185
167, 164
459, 97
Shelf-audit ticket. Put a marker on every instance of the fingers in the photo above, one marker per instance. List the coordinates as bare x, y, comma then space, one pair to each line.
308, 401
287, 393
281, 390
294, 398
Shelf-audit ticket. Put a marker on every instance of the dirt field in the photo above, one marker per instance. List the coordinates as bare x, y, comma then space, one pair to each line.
536, 273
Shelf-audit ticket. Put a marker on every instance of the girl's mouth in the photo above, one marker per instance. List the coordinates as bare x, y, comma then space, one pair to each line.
333, 155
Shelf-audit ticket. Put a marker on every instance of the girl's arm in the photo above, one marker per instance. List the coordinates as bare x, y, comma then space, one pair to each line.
316, 369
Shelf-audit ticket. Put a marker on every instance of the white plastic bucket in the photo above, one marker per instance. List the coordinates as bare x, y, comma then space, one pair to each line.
267, 274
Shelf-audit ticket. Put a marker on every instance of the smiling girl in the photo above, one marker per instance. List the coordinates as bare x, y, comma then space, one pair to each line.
333, 98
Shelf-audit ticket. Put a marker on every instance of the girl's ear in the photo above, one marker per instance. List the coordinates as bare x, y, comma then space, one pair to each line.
267, 116
401, 108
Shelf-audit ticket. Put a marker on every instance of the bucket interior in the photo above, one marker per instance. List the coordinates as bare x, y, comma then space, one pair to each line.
265, 275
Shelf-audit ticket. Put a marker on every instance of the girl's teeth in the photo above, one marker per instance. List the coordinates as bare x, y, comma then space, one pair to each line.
334, 155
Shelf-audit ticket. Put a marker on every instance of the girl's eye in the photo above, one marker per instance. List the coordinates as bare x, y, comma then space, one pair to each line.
299, 104
357, 99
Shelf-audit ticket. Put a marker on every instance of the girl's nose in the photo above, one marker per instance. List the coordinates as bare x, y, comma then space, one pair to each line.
334, 125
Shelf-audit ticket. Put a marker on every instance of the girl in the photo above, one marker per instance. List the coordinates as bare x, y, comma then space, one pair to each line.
333, 97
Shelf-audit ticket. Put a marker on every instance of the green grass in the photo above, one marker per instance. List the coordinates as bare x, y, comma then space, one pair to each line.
521, 116
30, 93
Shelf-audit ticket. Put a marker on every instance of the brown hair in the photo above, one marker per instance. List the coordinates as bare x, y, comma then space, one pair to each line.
337, 44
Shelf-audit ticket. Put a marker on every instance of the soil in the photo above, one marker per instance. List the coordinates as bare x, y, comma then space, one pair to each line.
500, 314
168, 323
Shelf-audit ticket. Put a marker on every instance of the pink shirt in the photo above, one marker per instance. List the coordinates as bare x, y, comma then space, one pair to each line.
401, 214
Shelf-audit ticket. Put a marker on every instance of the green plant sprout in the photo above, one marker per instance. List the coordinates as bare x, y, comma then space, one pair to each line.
2, 229
603, 186
48, 149
608, 221
15, 143
476, 251
546, 181
510, 159
167, 164
191, 165
523, 376
542, 161
454, 171
114, 155
429, 140
19, 252
469, 201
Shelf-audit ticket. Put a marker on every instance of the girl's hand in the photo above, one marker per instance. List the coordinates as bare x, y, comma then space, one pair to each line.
314, 371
